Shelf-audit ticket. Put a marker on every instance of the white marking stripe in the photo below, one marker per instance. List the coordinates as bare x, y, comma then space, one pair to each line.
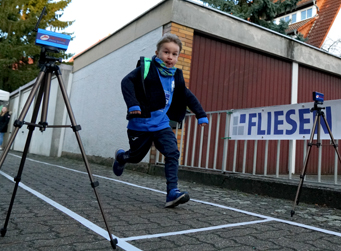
236, 210
203, 202
271, 218
77, 217
193, 230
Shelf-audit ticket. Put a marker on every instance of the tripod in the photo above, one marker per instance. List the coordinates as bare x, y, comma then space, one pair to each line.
317, 122
43, 83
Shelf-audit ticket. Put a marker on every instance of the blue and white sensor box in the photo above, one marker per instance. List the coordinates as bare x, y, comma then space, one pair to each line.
318, 97
54, 39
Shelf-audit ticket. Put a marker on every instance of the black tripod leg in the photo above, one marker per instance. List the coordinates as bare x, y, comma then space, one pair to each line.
17, 178
331, 137
19, 122
76, 128
298, 193
45, 102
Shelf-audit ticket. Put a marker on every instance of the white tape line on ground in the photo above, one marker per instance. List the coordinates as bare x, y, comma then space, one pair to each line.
133, 238
204, 202
271, 218
237, 210
121, 243
82, 172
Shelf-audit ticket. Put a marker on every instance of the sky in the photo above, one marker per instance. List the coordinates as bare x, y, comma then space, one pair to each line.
97, 19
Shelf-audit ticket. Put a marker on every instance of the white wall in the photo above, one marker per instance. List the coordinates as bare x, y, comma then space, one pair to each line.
334, 34
97, 100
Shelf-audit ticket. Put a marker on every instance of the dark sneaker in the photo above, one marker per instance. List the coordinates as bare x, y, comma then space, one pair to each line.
175, 197
117, 167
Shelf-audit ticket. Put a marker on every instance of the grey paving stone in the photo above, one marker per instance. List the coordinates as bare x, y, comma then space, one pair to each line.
134, 212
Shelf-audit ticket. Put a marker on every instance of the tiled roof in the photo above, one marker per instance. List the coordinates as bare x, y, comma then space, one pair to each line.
300, 3
328, 10
316, 28
299, 25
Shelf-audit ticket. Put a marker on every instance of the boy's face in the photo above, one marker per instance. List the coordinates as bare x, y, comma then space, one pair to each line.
169, 53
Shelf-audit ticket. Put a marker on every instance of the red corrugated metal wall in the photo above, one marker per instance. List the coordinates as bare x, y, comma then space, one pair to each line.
226, 76
313, 80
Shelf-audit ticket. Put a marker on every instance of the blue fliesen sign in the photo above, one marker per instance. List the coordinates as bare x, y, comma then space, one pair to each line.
53, 39
284, 122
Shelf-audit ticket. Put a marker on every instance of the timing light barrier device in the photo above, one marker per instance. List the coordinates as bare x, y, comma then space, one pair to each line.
50, 42
52, 39
318, 97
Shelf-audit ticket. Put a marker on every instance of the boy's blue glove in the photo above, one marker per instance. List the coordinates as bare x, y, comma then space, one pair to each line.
203, 121
134, 112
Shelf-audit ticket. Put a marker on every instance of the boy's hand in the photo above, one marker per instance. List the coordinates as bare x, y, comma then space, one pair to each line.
203, 124
135, 112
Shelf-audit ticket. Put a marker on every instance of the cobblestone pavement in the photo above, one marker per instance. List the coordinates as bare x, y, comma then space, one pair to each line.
214, 219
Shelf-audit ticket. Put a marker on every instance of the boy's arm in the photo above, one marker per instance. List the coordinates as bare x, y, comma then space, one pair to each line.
194, 105
128, 91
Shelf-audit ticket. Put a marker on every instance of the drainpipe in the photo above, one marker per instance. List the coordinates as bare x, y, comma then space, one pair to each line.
294, 97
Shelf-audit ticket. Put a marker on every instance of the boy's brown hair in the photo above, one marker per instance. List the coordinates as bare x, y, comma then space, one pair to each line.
168, 37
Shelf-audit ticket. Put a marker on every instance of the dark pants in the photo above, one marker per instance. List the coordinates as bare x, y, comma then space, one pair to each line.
165, 141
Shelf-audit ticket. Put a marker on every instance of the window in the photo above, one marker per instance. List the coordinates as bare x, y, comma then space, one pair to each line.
293, 19
284, 19
303, 15
306, 14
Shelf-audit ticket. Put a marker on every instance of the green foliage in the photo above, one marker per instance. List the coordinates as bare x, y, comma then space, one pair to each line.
261, 12
17, 38
301, 38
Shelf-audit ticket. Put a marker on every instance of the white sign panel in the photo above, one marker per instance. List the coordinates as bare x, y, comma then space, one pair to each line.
285, 122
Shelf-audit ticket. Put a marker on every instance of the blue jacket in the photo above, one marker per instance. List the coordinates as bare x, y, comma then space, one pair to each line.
148, 94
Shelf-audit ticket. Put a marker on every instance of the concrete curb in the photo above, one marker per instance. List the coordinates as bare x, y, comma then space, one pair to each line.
266, 186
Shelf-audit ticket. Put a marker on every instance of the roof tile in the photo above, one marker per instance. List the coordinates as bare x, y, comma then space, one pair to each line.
316, 29
299, 25
328, 10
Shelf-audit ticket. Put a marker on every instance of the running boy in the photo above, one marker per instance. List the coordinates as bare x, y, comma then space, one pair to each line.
154, 93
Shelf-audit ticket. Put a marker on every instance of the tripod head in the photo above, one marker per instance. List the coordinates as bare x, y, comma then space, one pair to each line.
49, 41
45, 59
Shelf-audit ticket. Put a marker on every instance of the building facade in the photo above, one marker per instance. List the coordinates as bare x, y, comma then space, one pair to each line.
319, 21
228, 63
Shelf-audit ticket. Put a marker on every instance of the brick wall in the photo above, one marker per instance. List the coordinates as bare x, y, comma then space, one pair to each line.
186, 36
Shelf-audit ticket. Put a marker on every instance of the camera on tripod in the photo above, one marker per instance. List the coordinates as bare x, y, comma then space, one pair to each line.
50, 42
318, 98
52, 39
